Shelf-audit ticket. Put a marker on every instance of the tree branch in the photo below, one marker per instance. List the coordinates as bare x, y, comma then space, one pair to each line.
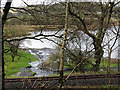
82, 21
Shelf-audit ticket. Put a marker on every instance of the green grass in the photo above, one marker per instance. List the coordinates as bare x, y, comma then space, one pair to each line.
19, 77
12, 68
104, 63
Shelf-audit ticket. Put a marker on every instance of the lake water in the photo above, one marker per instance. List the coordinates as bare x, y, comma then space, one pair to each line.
46, 44
30, 43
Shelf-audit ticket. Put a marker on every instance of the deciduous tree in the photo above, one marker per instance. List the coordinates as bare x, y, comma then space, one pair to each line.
102, 17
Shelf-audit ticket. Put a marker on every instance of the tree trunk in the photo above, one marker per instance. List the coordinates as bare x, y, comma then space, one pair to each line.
13, 56
4, 17
119, 45
98, 54
62, 50
108, 67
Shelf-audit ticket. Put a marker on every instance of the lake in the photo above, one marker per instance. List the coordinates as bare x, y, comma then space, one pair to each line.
37, 48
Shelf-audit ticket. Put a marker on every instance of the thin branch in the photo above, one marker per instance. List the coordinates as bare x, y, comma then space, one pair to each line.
14, 17
76, 67
34, 37
82, 21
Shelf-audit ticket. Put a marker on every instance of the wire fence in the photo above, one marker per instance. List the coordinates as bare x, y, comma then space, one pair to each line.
95, 80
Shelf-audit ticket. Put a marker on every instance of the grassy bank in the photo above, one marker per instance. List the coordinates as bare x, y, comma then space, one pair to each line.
104, 63
20, 61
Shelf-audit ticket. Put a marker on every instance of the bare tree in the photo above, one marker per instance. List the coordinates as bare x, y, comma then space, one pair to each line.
78, 47
103, 19
111, 46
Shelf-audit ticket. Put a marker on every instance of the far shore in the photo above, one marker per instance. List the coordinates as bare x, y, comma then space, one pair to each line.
49, 27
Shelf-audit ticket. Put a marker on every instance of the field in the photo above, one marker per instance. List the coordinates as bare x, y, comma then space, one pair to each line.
12, 68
